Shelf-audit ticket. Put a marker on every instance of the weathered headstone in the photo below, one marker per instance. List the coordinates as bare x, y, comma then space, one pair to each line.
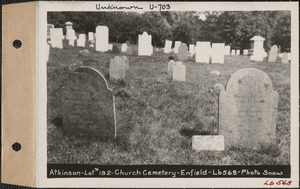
168, 46
284, 58
178, 72
182, 52
126, 61
81, 40
102, 38
217, 53
88, 104
227, 50
238, 52
171, 64
273, 54
115, 49
129, 50
124, 47
57, 36
177, 44
208, 142
202, 51
245, 52
117, 69
144, 45
248, 109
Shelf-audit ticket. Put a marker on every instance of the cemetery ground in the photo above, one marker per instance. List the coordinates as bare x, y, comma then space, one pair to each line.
156, 117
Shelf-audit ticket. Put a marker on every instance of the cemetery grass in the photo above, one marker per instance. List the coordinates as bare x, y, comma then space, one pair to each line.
157, 117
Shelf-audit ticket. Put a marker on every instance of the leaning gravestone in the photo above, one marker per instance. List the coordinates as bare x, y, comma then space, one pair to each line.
178, 72
284, 58
88, 104
273, 54
248, 109
117, 68
183, 52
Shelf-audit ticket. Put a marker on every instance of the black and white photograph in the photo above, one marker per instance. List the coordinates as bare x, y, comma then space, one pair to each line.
164, 93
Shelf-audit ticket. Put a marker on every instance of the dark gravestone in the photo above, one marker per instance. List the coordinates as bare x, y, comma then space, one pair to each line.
248, 109
115, 49
129, 50
88, 104
183, 52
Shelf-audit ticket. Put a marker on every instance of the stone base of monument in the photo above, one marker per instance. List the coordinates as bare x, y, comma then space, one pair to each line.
208, 142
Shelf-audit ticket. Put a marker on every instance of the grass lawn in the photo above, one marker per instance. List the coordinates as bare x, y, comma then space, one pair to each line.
157, 117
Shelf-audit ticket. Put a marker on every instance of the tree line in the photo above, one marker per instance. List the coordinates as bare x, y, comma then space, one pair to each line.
233, 28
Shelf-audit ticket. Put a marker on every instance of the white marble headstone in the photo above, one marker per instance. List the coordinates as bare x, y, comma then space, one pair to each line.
102, 38
191, 49
57, 36
217, 55
202, 51
91, 36
124, 47
145, 47
168, 46
81, 40
227, 50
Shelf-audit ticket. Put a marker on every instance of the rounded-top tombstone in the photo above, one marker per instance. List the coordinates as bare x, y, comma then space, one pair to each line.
182, 52
248, 109
88, 104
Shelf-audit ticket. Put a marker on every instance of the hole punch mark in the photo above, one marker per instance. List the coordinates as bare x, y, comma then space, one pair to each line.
16, 146
17, 44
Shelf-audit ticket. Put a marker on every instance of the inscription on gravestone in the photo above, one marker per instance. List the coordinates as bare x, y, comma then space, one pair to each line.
248, 109
88, 104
